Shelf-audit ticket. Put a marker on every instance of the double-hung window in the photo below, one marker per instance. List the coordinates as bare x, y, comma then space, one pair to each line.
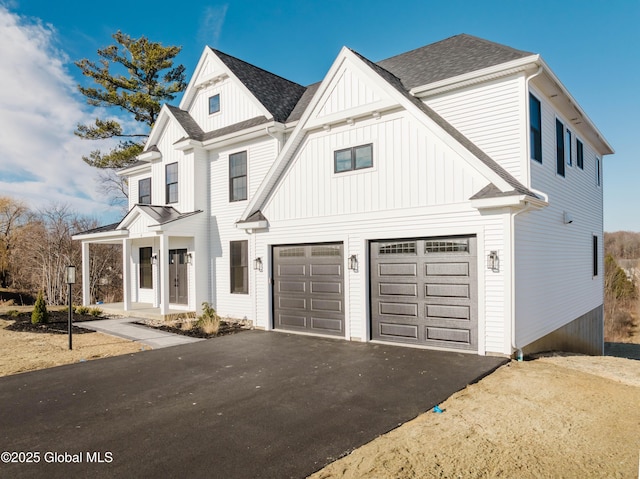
239, 266
560, 151
171, 178
238, 176
568, 147
579, 154
144, 191
355, 158
146, 276
535, 128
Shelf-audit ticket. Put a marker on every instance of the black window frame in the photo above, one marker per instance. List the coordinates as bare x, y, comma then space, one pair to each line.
353, 157
535, 128
141, 197
560, 148
568, 147
236, 179
239, 267
598, 171
579, 154
145, 267
212, 111
169, 190
595, 255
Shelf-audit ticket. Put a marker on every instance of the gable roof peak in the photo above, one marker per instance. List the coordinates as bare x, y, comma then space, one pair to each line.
277, 94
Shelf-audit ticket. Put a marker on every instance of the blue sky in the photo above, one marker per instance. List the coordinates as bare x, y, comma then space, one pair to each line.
592, 46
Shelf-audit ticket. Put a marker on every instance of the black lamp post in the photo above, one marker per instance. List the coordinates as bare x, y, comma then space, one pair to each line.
71, 279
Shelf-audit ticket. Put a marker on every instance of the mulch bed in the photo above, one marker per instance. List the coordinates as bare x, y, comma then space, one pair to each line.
57, 324
225, 329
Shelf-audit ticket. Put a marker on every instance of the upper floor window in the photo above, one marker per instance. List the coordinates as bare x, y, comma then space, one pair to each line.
535, 125
579, 154
568, 147
171, 178
598, 171
238, 176
144, 191
355, 158
560, 147
595, 255
214, 104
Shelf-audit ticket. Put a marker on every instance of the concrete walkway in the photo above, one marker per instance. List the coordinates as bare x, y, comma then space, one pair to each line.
124, 328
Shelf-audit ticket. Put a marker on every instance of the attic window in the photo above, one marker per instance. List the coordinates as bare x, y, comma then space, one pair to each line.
214, 104
355, 158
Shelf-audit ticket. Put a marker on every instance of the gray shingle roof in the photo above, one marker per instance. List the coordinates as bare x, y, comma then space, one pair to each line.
303, 103
99, 229
165, 214
187, 122
258, 120
448, 58
278, 95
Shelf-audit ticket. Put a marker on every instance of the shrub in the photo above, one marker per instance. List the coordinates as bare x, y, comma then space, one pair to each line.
13, 313
95, 312
82, 310
40, 313
209, 320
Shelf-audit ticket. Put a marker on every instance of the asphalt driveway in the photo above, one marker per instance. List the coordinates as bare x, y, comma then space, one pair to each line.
250, 405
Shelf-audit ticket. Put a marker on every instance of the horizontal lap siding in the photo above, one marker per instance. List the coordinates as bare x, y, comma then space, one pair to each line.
554, 267
356, 230
489, 115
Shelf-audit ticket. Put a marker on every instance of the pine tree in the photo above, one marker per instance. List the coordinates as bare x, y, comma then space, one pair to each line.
40, 313
138, 93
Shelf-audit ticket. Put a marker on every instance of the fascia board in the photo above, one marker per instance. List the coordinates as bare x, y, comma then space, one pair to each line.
190, 91
507, 201
477, 76
187, 144
608, 149
115, 234
132, 170
353, 113
292, 143
161, 123
253, 225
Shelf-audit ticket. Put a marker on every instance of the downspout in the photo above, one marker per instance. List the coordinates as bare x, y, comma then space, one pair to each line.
527, 207
279, 139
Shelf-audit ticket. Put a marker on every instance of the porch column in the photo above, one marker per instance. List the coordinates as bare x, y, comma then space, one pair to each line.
126, 274
86, 283
163, 263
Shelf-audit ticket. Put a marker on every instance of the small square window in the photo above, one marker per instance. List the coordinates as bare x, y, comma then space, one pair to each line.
356, 158
214, 104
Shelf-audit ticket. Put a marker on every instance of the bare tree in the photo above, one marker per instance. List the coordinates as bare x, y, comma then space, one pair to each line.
14, 215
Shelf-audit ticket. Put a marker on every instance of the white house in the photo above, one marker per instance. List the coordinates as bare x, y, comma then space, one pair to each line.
448, 197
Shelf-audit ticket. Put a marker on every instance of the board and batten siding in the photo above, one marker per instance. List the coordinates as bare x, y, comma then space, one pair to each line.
224, 214
410, 169
491, 116
236, 105
349, 91
554, 271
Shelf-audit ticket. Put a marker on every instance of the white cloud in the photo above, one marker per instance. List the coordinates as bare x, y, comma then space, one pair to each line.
40, 157
211, 24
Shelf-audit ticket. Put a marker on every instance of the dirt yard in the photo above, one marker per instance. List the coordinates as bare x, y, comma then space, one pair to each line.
24, 351
562, 416
571, 417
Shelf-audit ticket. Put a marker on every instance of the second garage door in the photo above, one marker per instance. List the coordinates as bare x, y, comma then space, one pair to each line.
308, 288
424, 291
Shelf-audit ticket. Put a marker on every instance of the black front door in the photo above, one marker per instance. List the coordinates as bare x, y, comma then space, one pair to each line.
178, 278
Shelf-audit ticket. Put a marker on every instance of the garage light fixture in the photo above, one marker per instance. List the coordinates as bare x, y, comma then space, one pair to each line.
257, 264
493, 261
353, 262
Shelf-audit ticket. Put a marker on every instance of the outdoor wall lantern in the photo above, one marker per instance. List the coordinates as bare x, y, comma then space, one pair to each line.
493, 262
353, 262
71, 279
154, 258
257, 264
188, 258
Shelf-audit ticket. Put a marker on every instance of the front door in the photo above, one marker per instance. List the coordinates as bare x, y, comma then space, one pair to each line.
178, 278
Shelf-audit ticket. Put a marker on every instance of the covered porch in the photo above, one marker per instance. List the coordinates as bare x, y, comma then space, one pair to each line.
159, 271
